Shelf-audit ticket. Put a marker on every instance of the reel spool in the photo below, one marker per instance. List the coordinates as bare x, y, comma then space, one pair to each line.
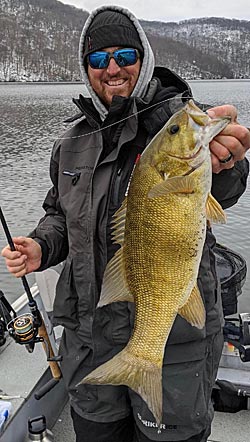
24, 330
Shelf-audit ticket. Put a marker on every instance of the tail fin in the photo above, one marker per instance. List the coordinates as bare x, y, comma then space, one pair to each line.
142, 376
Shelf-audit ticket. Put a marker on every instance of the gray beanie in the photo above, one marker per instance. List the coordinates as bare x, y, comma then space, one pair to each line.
111, 28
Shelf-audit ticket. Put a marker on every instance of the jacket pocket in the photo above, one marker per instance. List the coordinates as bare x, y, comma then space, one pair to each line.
74, 193
96, 402
182, 331
86, 398
121, 328
111, 328
188, 376
185, 390
65, 304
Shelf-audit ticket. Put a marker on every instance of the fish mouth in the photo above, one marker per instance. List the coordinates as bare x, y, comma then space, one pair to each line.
212, 128
188, 157
205, 127
208, 129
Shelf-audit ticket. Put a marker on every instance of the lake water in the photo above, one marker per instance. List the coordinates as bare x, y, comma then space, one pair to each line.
32, 118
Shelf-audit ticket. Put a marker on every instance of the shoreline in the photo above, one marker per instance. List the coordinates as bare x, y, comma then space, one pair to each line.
197, 80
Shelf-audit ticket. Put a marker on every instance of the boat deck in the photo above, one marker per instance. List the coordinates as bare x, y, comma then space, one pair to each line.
227, 427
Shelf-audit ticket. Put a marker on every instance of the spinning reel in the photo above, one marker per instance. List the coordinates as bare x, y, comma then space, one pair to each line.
23, 328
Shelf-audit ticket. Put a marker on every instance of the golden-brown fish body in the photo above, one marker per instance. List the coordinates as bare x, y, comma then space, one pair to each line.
161, 229
162, 253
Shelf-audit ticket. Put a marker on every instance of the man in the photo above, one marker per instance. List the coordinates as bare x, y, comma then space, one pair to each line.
90, 169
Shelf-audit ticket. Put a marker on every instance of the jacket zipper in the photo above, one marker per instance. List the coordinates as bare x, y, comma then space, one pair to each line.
118, 181
117, 185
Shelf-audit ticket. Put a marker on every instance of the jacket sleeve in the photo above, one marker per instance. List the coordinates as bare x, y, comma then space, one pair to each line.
230, 184
51, 231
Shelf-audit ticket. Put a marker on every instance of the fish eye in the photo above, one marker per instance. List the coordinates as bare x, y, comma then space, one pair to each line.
174, 129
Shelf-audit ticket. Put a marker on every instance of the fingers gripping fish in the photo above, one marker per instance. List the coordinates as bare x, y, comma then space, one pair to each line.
161, 228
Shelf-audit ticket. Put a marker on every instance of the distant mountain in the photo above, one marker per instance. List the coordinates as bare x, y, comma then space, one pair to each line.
202, 48
39, 42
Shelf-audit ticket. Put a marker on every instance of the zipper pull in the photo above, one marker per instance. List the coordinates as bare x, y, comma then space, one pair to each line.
76, 178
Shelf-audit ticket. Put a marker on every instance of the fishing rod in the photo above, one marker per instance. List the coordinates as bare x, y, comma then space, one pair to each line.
28, 329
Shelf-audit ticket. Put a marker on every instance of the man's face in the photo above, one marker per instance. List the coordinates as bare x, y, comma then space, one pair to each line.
114, 80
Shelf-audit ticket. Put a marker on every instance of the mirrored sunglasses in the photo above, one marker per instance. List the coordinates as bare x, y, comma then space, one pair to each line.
123, 57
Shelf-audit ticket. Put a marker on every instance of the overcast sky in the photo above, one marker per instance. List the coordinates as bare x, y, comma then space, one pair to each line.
174, 10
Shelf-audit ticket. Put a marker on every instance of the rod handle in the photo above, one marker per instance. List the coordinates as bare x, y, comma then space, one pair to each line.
54, 367
46, 388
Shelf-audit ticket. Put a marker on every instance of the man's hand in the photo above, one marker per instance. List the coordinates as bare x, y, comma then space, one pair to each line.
234, 139
25, 259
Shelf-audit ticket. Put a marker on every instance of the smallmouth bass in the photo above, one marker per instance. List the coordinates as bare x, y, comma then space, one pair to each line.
161, 228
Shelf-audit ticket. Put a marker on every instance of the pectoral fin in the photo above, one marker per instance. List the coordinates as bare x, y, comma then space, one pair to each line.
214, 211
193, 310
182, 184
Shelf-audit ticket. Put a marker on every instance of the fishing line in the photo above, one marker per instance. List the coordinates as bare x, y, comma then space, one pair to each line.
123, 119
97, 130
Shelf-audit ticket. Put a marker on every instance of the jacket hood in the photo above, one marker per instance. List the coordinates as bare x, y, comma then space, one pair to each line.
147, 66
